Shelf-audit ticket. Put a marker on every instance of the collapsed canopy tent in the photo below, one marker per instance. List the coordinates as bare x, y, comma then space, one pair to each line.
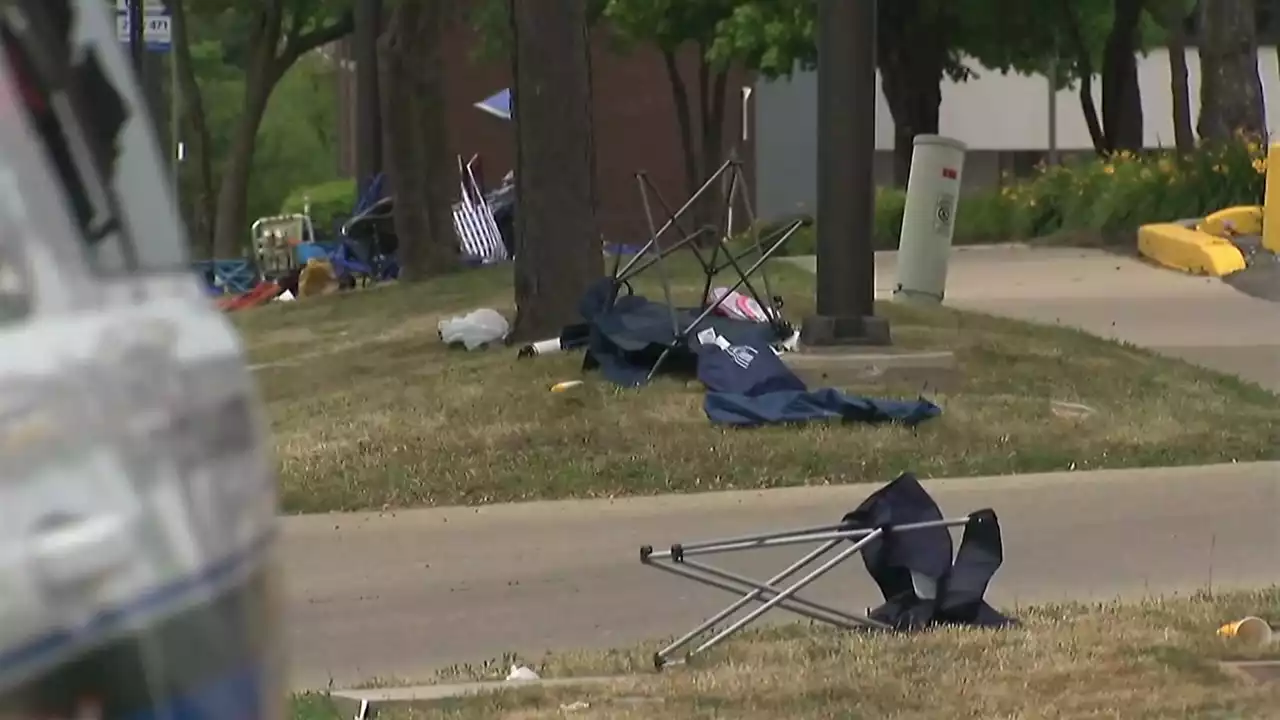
631, 338
749, 385
906, 547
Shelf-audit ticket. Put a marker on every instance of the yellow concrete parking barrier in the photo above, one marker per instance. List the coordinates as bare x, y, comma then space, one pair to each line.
1189, 250
1204, 249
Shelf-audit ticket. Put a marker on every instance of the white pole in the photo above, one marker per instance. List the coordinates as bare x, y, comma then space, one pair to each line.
928, 220
175, 120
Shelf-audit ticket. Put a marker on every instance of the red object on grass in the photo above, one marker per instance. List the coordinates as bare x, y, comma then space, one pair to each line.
262, 293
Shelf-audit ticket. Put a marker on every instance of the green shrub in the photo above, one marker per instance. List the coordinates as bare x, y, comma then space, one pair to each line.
1098, 198
330, 202
1119, 193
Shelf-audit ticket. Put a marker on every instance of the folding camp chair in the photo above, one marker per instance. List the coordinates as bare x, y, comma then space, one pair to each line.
478, 234
633, 338
905, 544
717, 258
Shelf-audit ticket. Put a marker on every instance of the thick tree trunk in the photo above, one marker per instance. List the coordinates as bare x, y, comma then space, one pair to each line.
201, 221
1121, 95
368, 26
1230, 88
913, 90
912, 59
416, 140
557, 241
273, 49
231, 225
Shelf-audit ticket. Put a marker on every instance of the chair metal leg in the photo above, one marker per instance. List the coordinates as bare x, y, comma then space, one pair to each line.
747, 599
786, 594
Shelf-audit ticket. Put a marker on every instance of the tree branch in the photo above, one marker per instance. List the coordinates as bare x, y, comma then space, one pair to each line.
302, 43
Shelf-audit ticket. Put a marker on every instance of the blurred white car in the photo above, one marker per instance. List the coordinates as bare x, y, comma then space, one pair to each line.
137, 500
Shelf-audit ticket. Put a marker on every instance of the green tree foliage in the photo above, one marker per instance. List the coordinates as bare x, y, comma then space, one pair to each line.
296, 141
921, 42
263, 39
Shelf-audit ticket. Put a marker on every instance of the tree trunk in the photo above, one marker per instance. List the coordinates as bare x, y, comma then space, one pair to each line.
684, 122
1121, 94
1183, 136
1230, 88
1084, 70
557, 241
203, 206
416, 140
368, 22
1171, 14
912, 60
913, 89
273, 49
231, 225
712, 104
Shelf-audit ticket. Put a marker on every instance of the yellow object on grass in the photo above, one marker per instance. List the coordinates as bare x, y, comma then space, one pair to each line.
317, 278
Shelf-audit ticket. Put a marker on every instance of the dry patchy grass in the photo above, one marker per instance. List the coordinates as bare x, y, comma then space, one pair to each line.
370, 410
1157, 659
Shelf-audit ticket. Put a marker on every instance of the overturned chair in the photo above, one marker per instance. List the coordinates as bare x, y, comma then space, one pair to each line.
906, 547
632, 338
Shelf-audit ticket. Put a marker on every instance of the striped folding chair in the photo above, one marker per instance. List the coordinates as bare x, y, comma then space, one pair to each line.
478, 233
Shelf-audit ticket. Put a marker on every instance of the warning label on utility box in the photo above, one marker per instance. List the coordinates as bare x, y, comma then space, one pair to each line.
944, 213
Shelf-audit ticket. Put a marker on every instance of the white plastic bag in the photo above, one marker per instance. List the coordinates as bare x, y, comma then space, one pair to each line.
475, 329
521, 672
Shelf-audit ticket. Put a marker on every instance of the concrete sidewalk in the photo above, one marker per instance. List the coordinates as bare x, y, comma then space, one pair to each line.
1201, 320
400, 595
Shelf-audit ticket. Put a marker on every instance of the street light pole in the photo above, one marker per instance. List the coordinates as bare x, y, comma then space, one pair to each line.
846, 39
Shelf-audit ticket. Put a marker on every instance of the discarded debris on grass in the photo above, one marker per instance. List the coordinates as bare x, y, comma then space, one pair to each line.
369, 409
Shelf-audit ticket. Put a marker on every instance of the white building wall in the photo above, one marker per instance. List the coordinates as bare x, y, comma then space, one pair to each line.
992, 113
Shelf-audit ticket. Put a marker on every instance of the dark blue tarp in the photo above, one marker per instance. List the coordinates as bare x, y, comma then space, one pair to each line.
626, 336
900, 561
749, 385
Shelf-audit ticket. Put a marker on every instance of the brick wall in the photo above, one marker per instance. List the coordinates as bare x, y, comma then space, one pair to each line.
635, 124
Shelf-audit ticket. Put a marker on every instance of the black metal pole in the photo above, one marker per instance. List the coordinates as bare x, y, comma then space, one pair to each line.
846, 39
137, 37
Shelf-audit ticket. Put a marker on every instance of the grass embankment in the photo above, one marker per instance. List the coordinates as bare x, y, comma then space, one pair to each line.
1157, 660
370, 410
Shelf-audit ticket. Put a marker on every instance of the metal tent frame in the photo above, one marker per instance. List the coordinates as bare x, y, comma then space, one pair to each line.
719, 257
772, 593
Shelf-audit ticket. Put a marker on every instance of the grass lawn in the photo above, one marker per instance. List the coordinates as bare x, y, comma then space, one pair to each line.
1155, 660
370, 410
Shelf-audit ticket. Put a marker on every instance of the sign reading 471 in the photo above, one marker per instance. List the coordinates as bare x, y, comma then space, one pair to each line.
157, 30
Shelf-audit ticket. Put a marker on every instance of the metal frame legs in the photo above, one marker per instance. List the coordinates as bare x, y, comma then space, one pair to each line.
772, 592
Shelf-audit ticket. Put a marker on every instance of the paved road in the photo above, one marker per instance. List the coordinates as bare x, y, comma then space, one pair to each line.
398, 595
1201, 320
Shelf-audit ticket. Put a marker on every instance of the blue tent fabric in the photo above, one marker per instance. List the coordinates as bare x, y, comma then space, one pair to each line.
625, 336
894, 558
749, 386
497, 104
